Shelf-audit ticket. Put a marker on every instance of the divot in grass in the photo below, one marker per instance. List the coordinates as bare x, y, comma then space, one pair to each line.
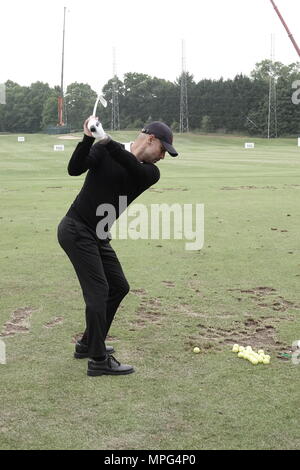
55, 321
19, 322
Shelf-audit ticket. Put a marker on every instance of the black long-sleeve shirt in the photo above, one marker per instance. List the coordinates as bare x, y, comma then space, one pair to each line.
112, 172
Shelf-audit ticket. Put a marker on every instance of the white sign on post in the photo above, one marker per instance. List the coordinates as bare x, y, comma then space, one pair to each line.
249, 145
21, 139
59, 148
2, 93
2, 352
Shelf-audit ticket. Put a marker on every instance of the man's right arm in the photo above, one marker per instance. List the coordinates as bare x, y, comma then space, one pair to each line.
85, 156
81, 159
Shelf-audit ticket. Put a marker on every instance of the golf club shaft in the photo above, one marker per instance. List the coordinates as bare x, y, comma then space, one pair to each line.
95, 107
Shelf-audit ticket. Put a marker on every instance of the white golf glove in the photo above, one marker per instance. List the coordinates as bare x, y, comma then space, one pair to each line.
95, 127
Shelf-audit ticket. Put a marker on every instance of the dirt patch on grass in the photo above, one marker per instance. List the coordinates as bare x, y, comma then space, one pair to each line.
19, 321
161, 190
149, 311
186, 310
169, 284
76, 337
262, 297
258, 333
237, 188
55, 321
139, 292
54, 187
275, 229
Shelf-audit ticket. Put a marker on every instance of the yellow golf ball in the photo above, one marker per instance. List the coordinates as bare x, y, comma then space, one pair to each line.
235, 348
196, 350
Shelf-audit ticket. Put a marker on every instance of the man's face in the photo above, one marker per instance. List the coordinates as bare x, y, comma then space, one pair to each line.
153, 150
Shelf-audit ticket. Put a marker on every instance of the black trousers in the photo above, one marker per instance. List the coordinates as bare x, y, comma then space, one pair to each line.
101, 278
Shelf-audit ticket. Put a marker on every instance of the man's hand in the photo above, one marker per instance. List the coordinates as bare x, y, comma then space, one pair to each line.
85, 126
103, 139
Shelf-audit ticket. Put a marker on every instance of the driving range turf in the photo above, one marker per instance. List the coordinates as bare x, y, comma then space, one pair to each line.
242, 287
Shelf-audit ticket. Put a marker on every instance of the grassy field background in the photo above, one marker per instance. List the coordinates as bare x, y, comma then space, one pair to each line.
242, 287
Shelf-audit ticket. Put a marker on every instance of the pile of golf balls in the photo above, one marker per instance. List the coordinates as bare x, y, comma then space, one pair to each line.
247, 352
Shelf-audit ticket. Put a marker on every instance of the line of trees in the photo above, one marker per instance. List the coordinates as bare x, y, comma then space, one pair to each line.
238, 105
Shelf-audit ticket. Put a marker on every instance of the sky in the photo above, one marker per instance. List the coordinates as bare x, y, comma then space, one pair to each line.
222, 38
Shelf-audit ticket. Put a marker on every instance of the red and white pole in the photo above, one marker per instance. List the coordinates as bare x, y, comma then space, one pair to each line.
286, 28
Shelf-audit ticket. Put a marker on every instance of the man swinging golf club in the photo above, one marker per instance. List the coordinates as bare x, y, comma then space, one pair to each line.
114, 170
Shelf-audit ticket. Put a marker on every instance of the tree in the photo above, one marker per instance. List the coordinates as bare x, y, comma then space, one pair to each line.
206, 125
238, 105
267, 67
79, 102
17, 113
37, 96
287, 114
106, 113
50, 109
137, 98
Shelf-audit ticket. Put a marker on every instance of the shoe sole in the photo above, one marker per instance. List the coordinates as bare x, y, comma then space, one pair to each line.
78, 355
97, 373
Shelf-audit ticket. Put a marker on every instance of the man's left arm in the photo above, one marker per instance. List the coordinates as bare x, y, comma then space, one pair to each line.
146, 173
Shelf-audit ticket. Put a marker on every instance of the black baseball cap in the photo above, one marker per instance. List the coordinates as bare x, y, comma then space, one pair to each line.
162, 132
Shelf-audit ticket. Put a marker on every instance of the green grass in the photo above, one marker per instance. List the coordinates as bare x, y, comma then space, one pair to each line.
243, 287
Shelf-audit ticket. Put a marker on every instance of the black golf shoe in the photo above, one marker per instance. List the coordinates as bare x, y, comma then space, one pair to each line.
110, 366
81, 350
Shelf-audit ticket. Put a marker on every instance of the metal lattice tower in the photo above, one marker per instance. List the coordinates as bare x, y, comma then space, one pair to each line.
272, 114
184, 115
115, 116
